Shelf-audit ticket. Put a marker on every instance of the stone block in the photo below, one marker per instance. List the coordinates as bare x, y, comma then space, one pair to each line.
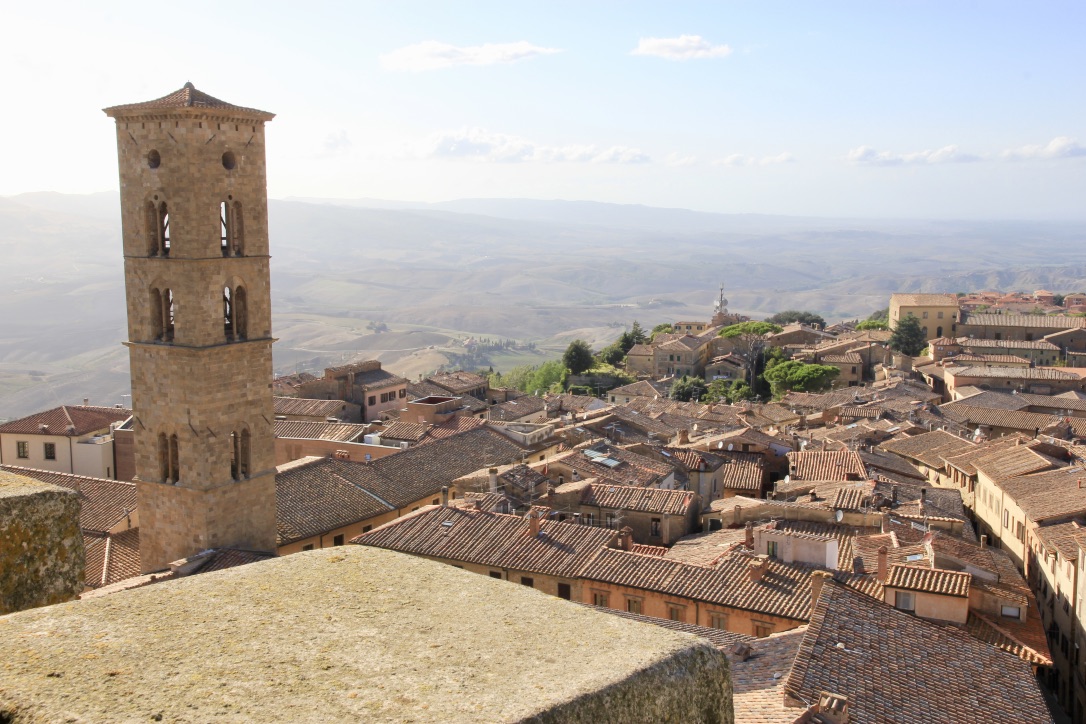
41, 545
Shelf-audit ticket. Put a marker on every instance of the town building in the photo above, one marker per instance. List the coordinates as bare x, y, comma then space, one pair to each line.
76, 439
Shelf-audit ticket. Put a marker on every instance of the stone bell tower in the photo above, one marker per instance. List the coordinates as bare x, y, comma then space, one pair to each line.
194, 211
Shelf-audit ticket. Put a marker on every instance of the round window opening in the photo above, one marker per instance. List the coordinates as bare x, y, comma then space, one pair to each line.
228, 160
153, 159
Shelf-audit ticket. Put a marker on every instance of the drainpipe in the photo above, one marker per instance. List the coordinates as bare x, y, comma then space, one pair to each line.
71, 458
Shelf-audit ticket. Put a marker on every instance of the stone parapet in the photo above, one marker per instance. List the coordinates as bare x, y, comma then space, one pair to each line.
351, 634
41, 545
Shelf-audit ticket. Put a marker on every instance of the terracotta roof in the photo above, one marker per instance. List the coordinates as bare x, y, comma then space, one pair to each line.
425, 388
896, 667
111, 558
784, 589
641, 388
849, 358
924, 300
1012, 462
648, 550
929, 580
67, 421
522, 478
377, 379
456, 425
186, 97
823, 465
1006, 634
308, 408
491, 539
758, 682
1048, 494
632, 469
929, 447
973, 343
1013, 373
1022, 320
457, 382
410, 431
313, 430
220, 559
705, 549
104, 502
640, 350
518, 408
636, 499
966, 359
314, 497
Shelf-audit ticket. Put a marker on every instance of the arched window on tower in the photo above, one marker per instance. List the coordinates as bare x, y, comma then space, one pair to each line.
241, 314
244, 453
175, 463
230, 229
167, 315
157, 320
151, 222
163, 458
228, 313
235, 455
163, 229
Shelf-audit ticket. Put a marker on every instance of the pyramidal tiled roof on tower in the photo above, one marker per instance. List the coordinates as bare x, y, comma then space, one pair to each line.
185, 97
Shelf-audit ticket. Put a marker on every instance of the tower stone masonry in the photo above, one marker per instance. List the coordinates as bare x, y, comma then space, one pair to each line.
194, 211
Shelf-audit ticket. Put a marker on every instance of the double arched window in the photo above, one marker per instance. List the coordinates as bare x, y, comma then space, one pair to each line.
235, 313
162, 315
232, 228
169, 465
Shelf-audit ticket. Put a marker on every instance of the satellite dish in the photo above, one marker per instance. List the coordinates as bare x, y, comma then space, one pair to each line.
730, 446
838, 515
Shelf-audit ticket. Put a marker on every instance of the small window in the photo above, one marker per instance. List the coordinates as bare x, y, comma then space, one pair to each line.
496, 574
655, 528
1010, 611
307, 547
367, 528
403, 392
337, 540
372, 399
676, 613
633, 605
718, 621
22, 449
564, 591
526, 581
771, 548
904, 601
600, 599
761, 630
940, 315
925, 315
50, 450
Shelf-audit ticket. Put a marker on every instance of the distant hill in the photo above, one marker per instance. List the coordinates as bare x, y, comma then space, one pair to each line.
435, 274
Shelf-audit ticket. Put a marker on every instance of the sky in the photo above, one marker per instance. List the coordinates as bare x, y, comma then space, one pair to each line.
958, 110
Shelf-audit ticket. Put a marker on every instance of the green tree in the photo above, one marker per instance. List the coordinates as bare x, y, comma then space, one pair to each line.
907, 337
872, 324
1057, 299
664, 328
637, 334
728, 391
578, 357
687, 388
882, 315
799, 376
794, 315
749, 341
612, 354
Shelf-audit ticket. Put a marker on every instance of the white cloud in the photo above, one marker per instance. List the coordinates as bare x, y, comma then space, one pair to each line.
1060, 147
335, 144
868, 156
684, 47
432, 55
739, 159
482, 145
678, 161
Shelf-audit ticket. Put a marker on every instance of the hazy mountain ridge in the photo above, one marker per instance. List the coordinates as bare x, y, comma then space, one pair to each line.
530, 270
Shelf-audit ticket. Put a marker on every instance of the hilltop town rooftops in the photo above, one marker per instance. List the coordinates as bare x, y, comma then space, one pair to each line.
307, 407
929, 580
491, 539
314, 430
67, 421
630, 498
882, 660
1039, 344
459, 382
1014, 373
826, 465
1022, 320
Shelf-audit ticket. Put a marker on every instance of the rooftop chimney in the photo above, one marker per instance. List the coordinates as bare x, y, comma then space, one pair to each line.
445, 496
893, 495
817, 579
625, 538
533, 524
882, 563
738, 515
86, 401
833, 708
741, 651
493, 479
750, 535
757, 568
